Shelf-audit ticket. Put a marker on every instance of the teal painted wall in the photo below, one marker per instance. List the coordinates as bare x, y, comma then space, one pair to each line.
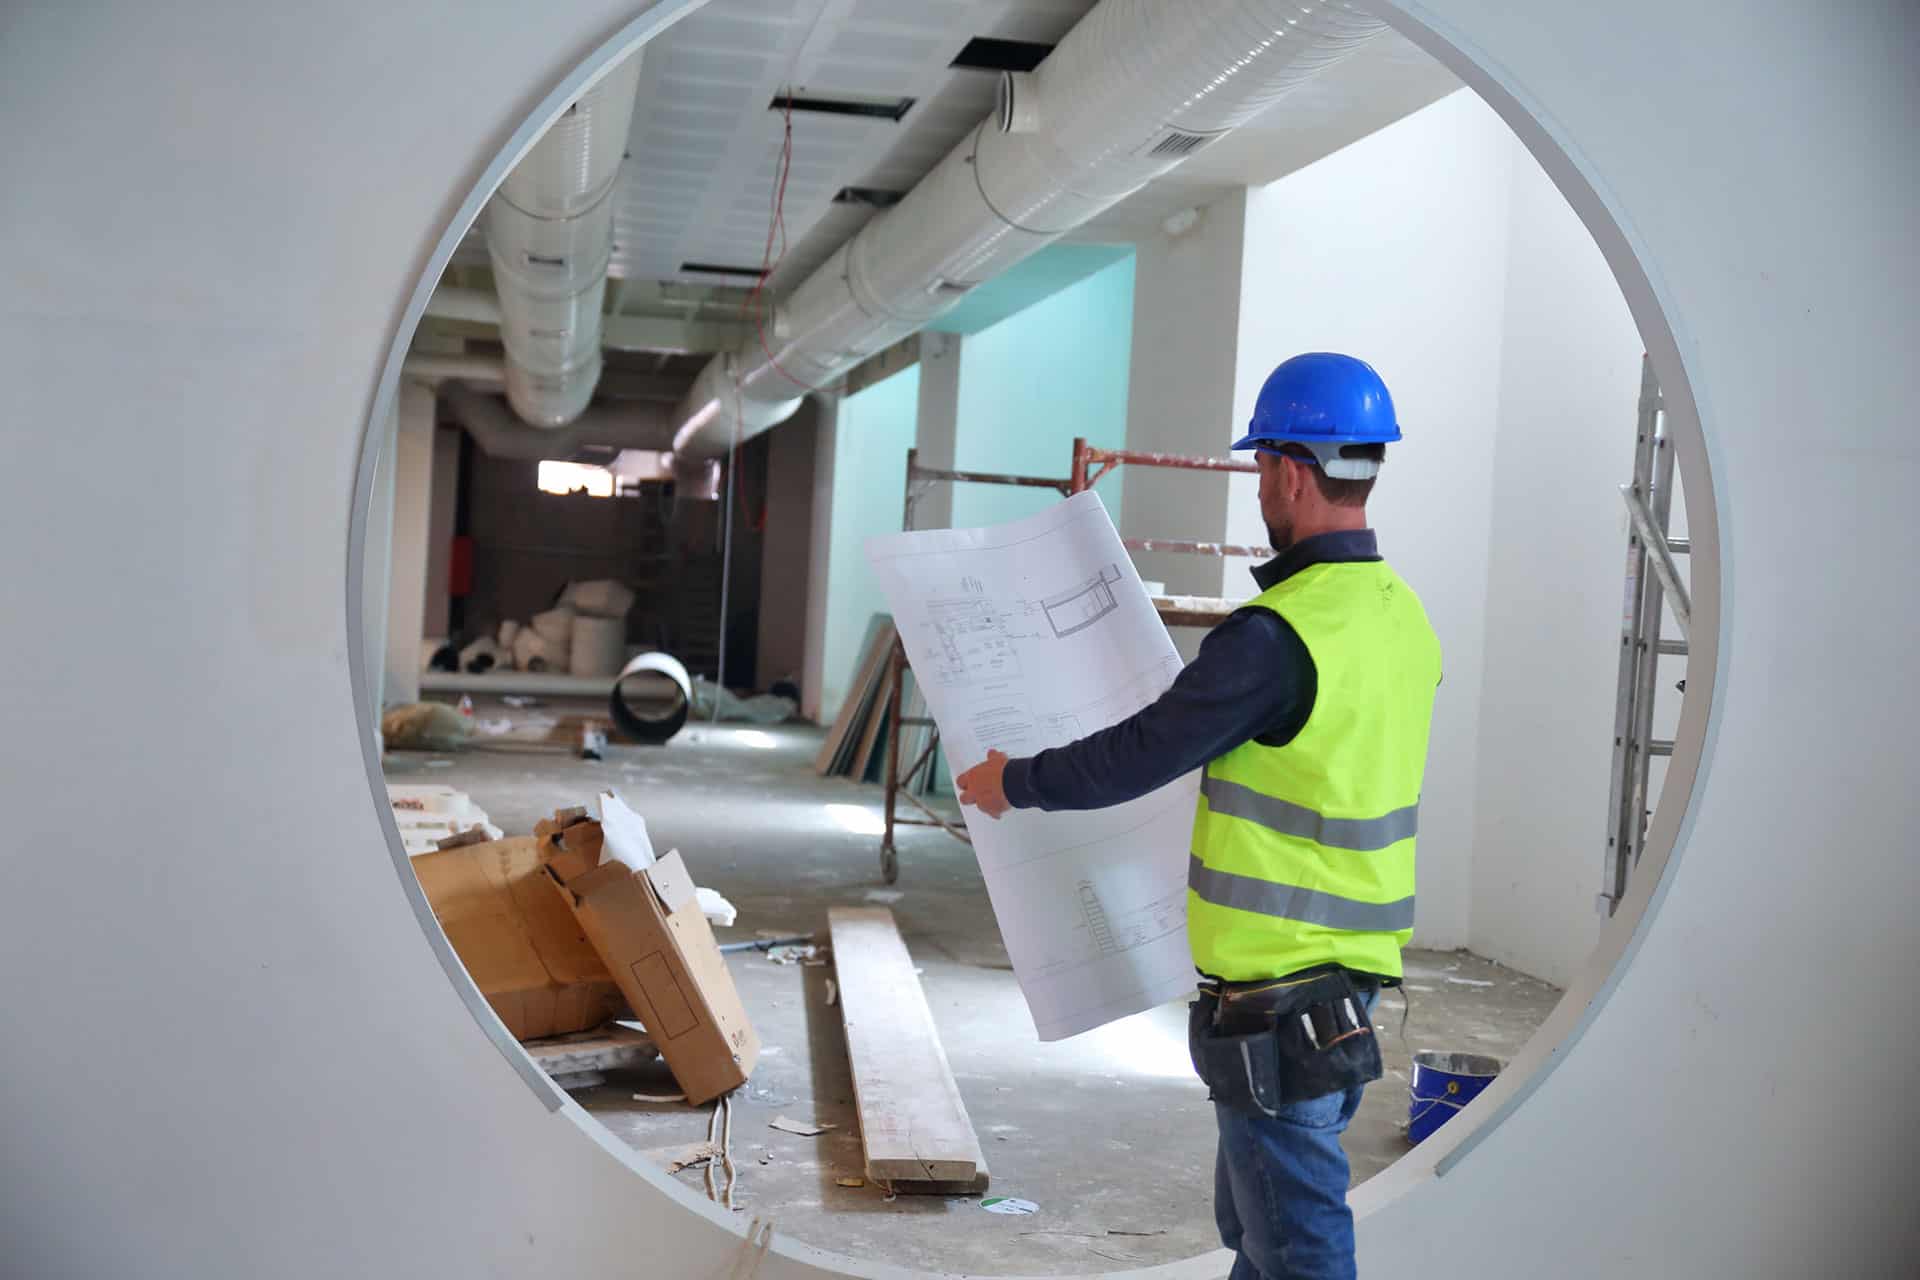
1031, 383
869, 477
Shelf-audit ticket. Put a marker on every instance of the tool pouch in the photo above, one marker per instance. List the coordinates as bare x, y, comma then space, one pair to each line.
1259, 1046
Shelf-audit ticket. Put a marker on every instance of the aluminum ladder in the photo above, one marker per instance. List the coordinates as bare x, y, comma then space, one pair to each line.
1649, 500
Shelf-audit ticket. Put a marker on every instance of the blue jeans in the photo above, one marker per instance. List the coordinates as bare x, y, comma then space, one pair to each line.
1280, 1189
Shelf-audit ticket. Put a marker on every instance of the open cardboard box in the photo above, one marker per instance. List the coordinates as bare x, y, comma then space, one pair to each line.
647, 927
523, 948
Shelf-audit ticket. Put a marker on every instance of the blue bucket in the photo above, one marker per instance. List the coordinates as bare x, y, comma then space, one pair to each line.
1442, 1084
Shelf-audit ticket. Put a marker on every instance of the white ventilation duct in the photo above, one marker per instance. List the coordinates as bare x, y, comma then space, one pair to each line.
549, 233
645, 427
1133, 90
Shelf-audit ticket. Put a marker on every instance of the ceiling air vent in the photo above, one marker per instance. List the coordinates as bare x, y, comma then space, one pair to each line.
1174, 144
716, 269
984, 53
850, 104
871, 197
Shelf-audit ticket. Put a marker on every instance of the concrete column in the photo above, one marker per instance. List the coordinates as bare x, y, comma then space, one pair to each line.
443, 504
793, 454
937, 430
1180, 394
412, 470
377, 576
819, 555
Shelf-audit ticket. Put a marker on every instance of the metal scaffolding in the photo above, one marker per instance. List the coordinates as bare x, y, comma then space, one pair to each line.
1089, 465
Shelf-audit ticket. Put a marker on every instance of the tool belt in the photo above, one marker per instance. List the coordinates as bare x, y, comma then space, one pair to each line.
1260, 1045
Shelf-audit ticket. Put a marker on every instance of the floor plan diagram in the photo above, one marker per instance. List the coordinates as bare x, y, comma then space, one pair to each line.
973, 646
1080, 607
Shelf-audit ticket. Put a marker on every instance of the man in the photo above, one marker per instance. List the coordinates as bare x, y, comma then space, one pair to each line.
1309, 710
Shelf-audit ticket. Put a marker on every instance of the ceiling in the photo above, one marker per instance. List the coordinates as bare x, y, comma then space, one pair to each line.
704, 149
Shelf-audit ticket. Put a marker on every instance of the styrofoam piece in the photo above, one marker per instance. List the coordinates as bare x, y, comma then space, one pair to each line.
716, 908
624, 833
530, 646
598, 646
556, 624
602, 597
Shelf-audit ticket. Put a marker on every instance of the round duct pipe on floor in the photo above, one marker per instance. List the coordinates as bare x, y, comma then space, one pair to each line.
645, 670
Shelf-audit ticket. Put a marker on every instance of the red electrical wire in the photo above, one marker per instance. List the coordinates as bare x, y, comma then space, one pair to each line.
770, 263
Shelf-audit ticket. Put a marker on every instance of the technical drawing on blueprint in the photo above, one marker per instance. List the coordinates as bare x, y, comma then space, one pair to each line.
1030, 635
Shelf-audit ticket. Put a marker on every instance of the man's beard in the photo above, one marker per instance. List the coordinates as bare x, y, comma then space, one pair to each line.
1280, 536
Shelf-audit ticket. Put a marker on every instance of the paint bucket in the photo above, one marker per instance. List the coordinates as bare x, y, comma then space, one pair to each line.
1442, 1084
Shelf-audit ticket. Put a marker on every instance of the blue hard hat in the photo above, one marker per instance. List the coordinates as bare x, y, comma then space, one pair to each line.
1323, 400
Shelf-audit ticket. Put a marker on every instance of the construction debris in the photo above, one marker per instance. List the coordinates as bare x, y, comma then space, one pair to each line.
569, 1058
1009, 1204
641, 914
431, 814
690, 1156
800, 1128
516, 937
424, 726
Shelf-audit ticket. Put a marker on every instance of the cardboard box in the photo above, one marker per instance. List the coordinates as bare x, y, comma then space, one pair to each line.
649, 931
523, 948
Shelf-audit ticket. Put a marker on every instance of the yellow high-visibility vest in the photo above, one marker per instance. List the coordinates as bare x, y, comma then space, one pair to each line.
1303, 853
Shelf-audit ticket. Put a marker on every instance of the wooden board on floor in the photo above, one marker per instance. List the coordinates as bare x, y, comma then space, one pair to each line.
913, 1125
608, 1048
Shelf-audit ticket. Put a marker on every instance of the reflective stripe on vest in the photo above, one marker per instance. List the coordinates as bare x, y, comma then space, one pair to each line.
1288, 819
1291, 902
1303, 854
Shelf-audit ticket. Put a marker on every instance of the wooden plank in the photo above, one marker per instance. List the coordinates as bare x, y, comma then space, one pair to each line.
876, 723
850, 707
861, 699
1194, 611
913, 1125
609, 1048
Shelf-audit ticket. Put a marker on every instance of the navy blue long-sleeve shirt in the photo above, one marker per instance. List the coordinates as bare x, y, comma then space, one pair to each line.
1253, 679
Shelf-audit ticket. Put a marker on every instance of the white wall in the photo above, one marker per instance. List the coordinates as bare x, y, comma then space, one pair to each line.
1186, 314
1031, 384
1394, 250
873, 432
1784, 266
1568, 388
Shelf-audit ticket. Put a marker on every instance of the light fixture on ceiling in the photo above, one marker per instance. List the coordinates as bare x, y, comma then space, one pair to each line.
1180, 223
871, 197
844, 104
985, 53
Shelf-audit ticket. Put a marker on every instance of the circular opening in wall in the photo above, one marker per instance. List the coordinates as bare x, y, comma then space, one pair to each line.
567, 330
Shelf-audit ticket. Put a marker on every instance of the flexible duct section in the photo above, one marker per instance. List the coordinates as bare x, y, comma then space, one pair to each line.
633, 425
1131, 92
549, 234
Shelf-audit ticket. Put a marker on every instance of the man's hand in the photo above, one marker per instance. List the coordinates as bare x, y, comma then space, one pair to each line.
981, 786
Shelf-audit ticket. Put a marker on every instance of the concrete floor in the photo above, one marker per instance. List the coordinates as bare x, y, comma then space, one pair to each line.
1107, 1132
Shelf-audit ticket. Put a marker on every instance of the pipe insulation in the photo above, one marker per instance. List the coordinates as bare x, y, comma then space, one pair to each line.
1136, 88
549, 231
500, 434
